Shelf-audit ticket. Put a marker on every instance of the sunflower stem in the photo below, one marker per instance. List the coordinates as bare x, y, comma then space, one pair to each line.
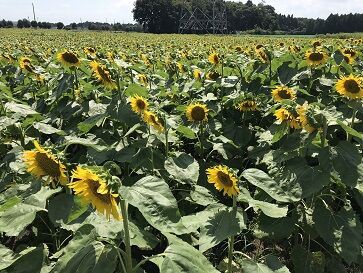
166, 130
119, 87
325, 130
200, 138
231, 240
128, 261
355, 110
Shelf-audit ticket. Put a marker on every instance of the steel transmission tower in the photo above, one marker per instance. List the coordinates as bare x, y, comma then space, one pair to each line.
194, 20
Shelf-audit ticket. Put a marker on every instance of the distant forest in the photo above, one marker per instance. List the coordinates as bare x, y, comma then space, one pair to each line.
162, 16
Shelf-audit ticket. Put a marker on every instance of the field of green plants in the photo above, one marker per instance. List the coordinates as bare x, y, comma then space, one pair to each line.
180, 153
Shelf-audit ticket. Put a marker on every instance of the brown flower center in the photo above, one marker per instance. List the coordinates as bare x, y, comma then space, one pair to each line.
316, 56
103, 73
49, 166
198, 113
351, 86
225, 179
93, 186
141, 104
284, 94
69, 57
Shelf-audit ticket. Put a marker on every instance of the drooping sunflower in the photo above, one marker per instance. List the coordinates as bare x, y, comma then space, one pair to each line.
212, 75
284, 115
93, 189
213, 58
197, 74
283, 93
262, 54
247, 105
102, 74
138, 104
25, 64
350, 87
316, 57
152, 119
223, 179
68, 58
90, 51
303, 118
143, 79
42, 163
351, 52
197, 112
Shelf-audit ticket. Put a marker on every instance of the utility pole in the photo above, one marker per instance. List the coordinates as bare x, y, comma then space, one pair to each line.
33, 12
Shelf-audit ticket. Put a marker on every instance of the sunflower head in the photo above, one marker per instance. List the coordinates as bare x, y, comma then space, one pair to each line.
351, 52
350, 87
213, 58
92, 188
181, 67
302, 111
316, 44
284, 115
223, 179
25, 64
247, 105
42, 163
143, 79
197, 74
212, 75
138, 104
68, 58
151, 119
90, 51
197, 112
102, 74
316, 57
262, 54
283, 93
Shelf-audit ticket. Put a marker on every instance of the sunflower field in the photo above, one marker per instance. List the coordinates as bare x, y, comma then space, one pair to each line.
180, 153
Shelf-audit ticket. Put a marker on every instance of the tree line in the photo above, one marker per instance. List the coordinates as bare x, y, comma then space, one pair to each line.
162, 16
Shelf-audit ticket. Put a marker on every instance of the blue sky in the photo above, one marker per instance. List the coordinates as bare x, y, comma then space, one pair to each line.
69, 11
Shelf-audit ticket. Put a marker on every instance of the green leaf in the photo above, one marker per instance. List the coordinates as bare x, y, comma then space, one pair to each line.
341, 229
47, 129
202, 196
152, 196
29, 260
274, 228
89, 123
269, 209
186, 132
347, 161
270, 186
94, 144
16, 218
183, 168
250, 266
338, 57
281, 130
60, 207
286, 72
135, 89
181, 257
307, 262
21, 109
350, 130
223, 224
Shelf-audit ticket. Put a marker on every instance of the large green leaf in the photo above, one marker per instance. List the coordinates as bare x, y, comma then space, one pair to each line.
184, 258
341, 229
29, 260
152, 196
286, 72
250, 266
306, 261
223, 224
16, 218
21, 109
269, 209
347, 161
47, 129
270, 186
183, 168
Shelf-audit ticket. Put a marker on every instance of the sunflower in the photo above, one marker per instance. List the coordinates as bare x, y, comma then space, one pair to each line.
93, 189
213, 58
90, 51
68, 58
197, 112
303, 118
350, 87
26, 65
212, 75
138, 104
42, 163
151, 119
284, 115
283, 93
350, 52
316, 43
197, 74
142, 79
181, 67
223, 179
102, 75
262, 54
247, 105
316, 57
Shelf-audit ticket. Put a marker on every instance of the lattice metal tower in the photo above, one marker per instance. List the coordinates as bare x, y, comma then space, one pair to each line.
194, 20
